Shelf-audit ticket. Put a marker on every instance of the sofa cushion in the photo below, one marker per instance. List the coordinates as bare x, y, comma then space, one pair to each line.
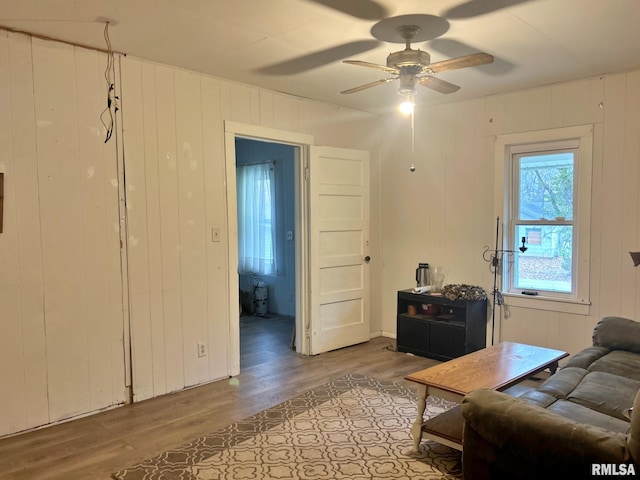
536, 397
584, 358
618, 362
617, 333
563, 382
580, 414
606, 393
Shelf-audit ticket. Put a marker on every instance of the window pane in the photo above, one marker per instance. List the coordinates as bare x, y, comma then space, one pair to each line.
546, 186
546, 265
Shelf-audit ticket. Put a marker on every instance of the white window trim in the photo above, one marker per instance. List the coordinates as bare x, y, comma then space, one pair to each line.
584, 135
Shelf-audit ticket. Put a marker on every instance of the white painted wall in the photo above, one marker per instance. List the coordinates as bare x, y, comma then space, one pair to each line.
61, 299
175, 166
444, 212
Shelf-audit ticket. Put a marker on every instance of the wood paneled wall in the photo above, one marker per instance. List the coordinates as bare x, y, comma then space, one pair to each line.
176, 193
454, 184
65, 289
177, 277
61, 298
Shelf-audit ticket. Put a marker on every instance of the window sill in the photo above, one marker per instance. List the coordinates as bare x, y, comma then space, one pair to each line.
549, 304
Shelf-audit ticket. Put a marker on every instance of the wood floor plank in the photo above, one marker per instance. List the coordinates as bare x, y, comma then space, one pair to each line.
92, 448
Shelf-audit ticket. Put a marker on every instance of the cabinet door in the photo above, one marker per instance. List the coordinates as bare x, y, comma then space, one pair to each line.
412, 335
446, 340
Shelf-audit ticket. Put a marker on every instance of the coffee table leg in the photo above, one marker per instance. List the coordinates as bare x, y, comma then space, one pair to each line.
416, 429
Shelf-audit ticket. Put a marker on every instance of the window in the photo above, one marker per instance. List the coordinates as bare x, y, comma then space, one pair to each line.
542, 185
256, 219
546, 204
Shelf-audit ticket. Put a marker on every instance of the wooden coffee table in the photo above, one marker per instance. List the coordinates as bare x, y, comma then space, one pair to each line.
497, 367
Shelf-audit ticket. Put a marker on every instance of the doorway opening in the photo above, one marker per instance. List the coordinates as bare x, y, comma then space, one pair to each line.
301, 145
331, 240
265, 192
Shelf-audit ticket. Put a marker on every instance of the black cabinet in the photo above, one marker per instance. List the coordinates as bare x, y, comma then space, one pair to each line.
433, 326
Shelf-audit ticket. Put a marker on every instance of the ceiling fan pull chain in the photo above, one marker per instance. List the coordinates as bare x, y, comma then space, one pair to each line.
412, 168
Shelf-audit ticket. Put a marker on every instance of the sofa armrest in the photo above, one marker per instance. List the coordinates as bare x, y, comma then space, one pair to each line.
617, 333
504, 429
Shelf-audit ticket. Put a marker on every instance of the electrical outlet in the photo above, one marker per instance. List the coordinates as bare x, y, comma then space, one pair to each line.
202, 349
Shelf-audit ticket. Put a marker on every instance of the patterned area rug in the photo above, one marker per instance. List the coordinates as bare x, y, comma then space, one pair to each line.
355, 427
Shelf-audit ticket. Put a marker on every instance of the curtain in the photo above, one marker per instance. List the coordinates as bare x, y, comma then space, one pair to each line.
256, 219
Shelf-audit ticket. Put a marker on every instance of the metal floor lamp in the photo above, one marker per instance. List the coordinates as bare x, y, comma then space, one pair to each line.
495, 261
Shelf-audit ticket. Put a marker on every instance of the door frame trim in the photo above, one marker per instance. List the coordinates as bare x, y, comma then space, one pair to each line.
303, 141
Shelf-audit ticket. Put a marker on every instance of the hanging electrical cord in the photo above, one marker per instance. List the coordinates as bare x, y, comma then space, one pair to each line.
107, 117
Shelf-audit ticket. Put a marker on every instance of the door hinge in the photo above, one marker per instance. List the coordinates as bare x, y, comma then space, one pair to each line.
306, 173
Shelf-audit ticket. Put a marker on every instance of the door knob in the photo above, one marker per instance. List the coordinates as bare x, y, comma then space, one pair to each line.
367, 259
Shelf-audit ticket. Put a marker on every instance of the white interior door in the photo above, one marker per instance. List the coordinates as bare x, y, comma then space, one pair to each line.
339, 247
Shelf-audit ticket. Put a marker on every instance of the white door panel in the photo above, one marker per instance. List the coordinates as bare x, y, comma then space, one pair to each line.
339, 244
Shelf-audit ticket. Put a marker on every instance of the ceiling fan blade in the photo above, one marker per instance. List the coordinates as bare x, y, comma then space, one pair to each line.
368, 85
437, 84
460, 62
360, 63
318, 59
475, 8
363, 9
451, 48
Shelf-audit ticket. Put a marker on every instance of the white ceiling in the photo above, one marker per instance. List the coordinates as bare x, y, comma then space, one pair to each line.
297, 46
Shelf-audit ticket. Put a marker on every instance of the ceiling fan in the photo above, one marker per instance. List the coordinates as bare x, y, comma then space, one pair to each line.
413, 67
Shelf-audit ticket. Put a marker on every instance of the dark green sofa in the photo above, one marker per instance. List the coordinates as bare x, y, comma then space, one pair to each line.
576, 423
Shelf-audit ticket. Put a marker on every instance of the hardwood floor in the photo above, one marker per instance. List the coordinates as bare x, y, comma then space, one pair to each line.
95, 446
264, 339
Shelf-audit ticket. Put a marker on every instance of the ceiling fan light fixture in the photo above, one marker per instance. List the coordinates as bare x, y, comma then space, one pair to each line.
407, 91
407, 84
407, 106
